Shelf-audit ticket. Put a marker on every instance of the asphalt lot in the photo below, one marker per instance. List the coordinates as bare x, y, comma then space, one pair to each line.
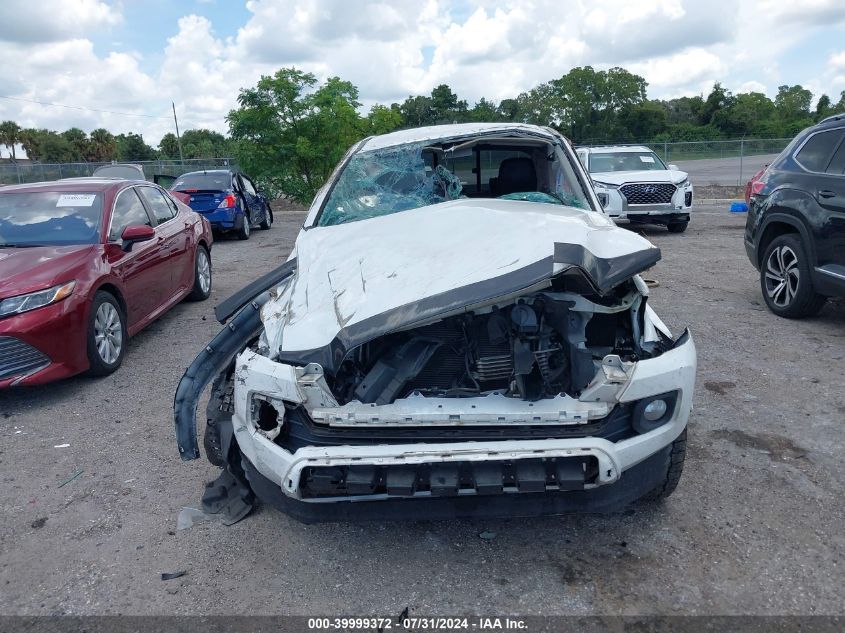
723, 171
755, 526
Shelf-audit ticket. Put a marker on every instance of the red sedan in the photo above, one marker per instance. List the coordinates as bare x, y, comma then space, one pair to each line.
87, 263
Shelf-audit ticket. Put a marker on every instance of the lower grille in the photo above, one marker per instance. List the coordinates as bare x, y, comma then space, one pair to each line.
450, 479
648, 193
18, 358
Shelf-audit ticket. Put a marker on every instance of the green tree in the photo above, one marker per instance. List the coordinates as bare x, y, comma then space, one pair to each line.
203, 143
483, 111
55, 148
793, 102
30, 141
168, 146
823, 108
417, 111
742, 114
718, 99
78, 142
644, 121
290, 137
132, 147
101, 146
10, 136
446, 107
382, 119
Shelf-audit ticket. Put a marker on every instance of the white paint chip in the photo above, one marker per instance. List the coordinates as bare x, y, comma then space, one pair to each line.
61, 445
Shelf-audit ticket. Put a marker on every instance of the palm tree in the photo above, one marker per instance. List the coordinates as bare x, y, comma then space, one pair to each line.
102, 146
10, 135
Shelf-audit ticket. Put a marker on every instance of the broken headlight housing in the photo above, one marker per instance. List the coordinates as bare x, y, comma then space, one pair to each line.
33, 300
268, 415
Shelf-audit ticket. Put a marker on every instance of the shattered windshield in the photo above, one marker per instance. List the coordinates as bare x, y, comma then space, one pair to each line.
387, 181
403, 177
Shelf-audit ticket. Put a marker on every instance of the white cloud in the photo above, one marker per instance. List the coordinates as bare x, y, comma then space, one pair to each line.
751, 86
53, 20
481, 48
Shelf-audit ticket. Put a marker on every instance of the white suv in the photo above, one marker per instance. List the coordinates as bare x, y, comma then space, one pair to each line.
632, 182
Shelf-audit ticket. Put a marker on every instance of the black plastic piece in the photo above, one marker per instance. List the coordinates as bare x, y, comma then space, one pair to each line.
215, 358
360, 480
530, 476
488, 479
444, 480
324, 480
400, 481
634, 483
569, 474
229, 497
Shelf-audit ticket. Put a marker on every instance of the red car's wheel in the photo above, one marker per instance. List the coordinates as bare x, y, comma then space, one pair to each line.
106, 335
202, 276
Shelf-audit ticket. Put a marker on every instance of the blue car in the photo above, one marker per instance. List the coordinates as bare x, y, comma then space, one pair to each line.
227, 199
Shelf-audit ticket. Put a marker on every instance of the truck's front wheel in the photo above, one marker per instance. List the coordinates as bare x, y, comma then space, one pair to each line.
673, 470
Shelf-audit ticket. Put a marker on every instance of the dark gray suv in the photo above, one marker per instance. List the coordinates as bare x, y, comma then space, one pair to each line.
795, 232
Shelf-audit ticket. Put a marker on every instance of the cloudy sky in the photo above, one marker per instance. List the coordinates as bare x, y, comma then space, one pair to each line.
111, 59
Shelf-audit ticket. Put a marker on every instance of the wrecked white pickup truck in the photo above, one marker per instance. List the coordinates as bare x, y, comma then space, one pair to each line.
459, 331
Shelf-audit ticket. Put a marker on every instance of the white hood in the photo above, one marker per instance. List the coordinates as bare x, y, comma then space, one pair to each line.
389, 268
649, 175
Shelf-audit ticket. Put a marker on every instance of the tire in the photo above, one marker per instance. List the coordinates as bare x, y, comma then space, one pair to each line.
785, 279
106, 337
677, 227
673, 470
267, 222
244, 231
202, 275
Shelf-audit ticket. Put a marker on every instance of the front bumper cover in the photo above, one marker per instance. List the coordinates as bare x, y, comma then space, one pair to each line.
674, 370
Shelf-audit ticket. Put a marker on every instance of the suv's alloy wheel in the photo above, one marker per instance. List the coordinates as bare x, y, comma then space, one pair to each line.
785, 279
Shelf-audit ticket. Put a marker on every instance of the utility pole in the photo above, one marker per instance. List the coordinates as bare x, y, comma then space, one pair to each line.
178, 138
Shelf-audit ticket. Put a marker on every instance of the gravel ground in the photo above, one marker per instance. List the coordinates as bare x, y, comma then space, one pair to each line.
755, 526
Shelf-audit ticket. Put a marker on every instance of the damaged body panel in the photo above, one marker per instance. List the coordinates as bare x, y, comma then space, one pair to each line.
460, 321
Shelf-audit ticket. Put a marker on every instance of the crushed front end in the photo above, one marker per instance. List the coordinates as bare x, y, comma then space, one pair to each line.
551, 388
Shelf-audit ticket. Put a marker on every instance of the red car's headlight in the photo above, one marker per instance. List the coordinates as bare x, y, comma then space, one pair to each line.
33, 300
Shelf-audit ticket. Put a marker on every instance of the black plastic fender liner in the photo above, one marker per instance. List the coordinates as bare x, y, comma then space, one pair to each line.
215, 358
229, 306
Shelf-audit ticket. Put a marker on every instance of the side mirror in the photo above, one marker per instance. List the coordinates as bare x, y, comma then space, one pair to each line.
674, 167
136, 233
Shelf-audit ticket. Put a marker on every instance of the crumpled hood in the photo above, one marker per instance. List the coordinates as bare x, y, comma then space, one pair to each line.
653, 175
359, 280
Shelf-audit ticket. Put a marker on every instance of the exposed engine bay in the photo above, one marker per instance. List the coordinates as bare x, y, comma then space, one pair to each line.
539, 346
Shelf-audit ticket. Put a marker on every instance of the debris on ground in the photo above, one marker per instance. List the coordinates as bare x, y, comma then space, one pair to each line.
487, 535
171, 575
188, 516
38, 523
719, 386
71, 478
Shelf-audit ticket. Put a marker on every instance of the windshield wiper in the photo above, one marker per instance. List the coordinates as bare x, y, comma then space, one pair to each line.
11, 245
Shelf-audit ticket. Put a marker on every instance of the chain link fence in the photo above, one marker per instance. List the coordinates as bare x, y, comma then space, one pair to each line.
23, 172
723, 162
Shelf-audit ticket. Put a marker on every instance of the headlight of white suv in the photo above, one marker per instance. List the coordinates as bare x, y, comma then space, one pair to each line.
33, 300
605, 185
684, 184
